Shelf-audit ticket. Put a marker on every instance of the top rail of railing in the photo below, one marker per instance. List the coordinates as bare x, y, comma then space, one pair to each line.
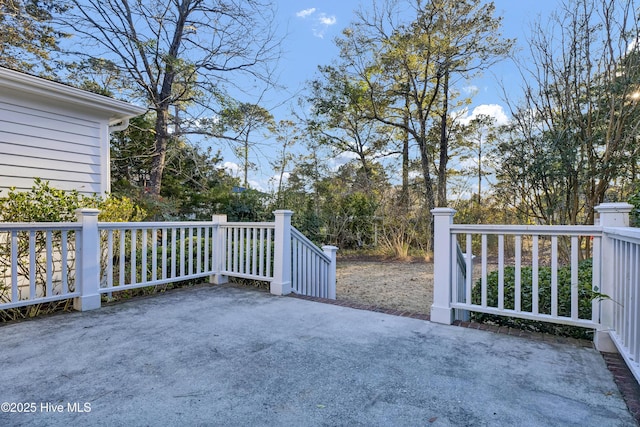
39, 226
541, 230
624, 233
249, 224
295, 233
150, 225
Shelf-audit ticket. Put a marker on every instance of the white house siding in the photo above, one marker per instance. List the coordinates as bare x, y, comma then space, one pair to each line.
57, 133
60, 147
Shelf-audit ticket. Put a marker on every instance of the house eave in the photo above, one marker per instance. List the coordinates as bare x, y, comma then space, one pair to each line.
113, 109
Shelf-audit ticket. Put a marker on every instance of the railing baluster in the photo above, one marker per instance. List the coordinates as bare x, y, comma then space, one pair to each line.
308, 266
154, 254
635, 344
268, 257
501, 271
633, 298
517, 297
261, 258
133, 261
243, 248
49, 256
294, 266
109, 260
484, 270
535, 295
236, 249
198, 250
32, 265
315, 275
190, 249
628, 293
174, 254
122, 256
206, 248
596, 277
183, 236
143, 261
14, 266
64, 261
554, 276
574, 277
231, 248
254, 245
617, 293
164, 252
469, 275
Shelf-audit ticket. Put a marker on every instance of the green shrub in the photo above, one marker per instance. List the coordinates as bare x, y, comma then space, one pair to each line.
635, 212
585, 297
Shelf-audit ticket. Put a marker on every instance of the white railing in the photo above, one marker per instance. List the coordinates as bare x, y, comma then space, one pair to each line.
249, 250
312, 270
625, 244
46, 262
141, 254
534, 265
530, 297
37, 263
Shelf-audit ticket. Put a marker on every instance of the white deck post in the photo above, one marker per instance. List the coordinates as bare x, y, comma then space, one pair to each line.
611, 215
220, 250
330, 251
281, 284
88, 262
441, 311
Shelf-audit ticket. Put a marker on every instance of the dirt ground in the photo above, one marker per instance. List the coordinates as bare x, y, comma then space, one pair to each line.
406, 286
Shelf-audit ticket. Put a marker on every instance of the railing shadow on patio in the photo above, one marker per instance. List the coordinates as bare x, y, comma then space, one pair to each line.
614, 295
45, 262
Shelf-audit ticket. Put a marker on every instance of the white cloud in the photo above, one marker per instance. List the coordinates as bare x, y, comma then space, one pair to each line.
306, 12
324, 19
321, 22
256, 185
493, 110
471, 89
275, 179
232, 169
341, 159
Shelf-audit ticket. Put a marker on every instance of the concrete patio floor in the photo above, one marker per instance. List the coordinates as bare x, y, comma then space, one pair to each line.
230, 356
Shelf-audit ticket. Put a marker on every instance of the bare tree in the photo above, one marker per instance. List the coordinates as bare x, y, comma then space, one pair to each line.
574, 136
175, 54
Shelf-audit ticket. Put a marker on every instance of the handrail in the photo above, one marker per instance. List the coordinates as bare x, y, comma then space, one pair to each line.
305, 240
624, 233
248, 224
39, 226
150, 225
542, 230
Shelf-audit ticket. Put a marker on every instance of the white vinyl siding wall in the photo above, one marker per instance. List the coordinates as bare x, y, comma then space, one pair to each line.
50, 142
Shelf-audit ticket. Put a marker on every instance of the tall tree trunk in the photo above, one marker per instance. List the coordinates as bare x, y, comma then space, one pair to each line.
425, 161
159, 150
479, 204
444, 144
404, 195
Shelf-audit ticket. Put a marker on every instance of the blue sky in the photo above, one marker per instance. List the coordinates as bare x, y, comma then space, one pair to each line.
311, 27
